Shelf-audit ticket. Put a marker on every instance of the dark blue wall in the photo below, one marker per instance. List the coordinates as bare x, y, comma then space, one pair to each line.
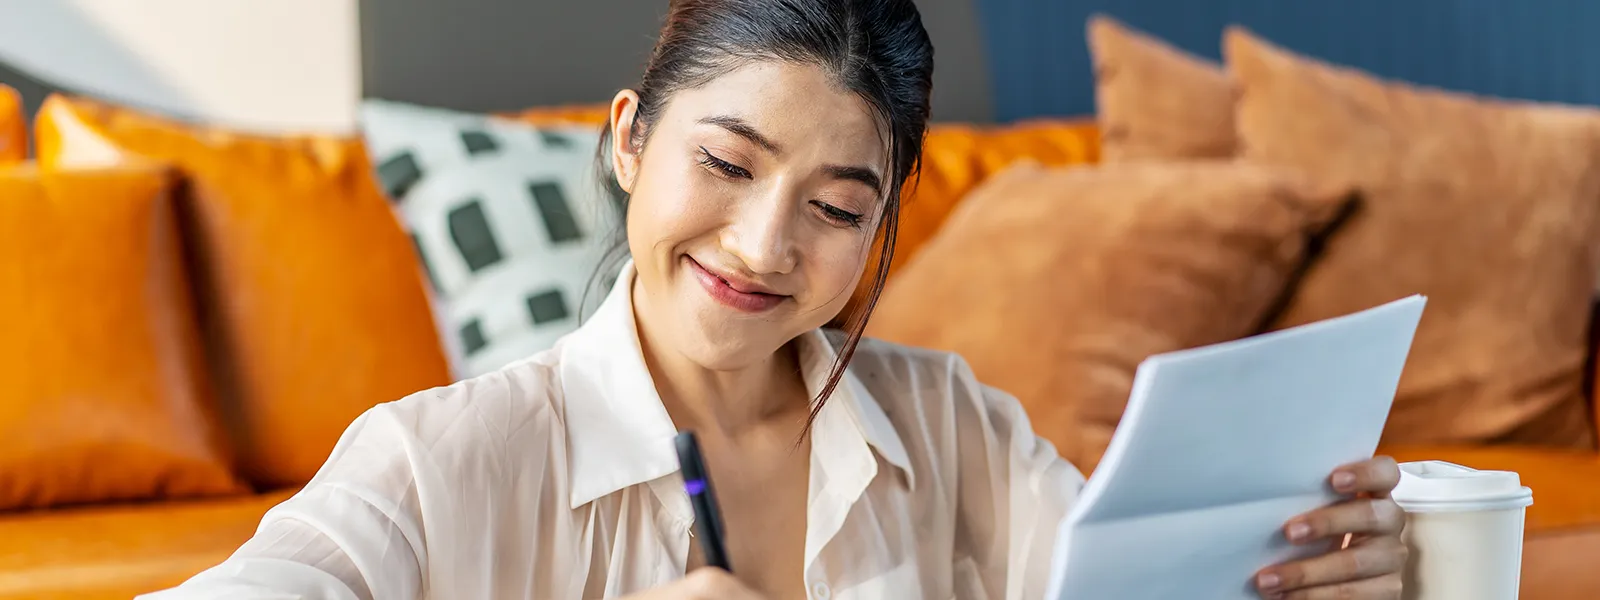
1532, 49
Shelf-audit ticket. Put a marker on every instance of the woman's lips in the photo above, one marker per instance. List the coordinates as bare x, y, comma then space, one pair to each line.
721, 291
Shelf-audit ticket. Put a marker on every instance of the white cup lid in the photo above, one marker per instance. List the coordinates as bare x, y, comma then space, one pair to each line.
1438, 486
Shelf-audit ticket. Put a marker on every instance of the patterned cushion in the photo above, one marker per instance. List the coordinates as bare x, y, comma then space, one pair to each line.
509, 220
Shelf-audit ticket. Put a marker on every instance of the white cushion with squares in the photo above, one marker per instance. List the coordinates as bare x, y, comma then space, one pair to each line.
510, 222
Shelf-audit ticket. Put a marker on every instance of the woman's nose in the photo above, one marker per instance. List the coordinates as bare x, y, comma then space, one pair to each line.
761, 236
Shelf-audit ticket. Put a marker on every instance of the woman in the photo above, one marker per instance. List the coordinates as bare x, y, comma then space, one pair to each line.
762, 153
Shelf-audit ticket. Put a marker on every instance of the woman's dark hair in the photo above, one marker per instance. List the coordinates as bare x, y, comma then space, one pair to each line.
876, 49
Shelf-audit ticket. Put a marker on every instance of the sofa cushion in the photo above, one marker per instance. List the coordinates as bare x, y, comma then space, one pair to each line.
956, 158
106, 394
1490, 208
1156, 101
120, 551
509, 222
1102, 267
13, 127
311, 291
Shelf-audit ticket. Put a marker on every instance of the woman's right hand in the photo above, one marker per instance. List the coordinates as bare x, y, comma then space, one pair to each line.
708, 583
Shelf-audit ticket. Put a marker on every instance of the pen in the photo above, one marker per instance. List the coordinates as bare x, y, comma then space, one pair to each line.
707, 517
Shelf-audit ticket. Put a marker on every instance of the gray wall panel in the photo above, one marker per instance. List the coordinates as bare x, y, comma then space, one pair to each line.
491, 55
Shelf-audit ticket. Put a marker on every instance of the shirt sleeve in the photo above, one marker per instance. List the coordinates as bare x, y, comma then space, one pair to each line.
1013, 490
353, 533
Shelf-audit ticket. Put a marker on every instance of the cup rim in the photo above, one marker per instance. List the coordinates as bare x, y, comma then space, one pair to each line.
1519, 498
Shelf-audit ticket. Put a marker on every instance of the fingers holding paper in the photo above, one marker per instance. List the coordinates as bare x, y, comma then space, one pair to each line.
1377, 476
1368, 569
1368, 510
1363, 531
1362, 517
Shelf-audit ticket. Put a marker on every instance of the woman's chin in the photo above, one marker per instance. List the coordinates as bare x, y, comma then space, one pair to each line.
718, 343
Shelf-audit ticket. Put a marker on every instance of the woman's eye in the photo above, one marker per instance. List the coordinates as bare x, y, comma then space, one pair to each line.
838, 215
725, 168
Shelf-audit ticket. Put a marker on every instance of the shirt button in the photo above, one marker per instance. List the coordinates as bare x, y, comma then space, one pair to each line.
820, 591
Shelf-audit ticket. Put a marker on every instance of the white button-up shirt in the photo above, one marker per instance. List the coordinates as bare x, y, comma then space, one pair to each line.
556, 478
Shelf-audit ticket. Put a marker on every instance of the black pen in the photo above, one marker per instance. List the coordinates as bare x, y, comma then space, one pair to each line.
707, 517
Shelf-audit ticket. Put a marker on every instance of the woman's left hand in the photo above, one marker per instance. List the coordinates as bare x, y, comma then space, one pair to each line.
1369, 566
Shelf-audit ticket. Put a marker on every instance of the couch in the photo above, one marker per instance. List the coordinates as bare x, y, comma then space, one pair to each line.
152, 538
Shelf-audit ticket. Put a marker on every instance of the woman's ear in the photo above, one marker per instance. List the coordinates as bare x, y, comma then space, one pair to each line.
624, 155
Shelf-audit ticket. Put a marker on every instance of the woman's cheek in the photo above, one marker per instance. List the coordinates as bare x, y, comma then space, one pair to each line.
700, 199
671, 207
839, 265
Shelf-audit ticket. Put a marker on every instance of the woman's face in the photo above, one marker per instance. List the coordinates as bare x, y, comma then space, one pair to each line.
753, 206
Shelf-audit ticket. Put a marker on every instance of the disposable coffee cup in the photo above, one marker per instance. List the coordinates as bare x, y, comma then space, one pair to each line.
1464, 529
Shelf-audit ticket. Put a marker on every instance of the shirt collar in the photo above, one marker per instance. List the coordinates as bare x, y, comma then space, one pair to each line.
619, 433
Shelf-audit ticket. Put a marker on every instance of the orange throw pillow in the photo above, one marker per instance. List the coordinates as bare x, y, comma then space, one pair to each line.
13, 127
312, 292
1490, 208
106, 396
1055, 283
1157, 101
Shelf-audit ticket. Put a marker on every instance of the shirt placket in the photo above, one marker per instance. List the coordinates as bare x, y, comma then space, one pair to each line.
842, 466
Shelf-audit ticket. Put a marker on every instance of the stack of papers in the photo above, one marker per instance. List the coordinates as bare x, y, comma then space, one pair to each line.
1219, 447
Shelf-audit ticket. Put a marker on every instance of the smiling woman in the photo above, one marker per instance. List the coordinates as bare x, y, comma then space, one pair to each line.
863, 74
737, 196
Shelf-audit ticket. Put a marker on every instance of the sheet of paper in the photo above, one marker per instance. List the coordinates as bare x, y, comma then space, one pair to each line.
1219, 447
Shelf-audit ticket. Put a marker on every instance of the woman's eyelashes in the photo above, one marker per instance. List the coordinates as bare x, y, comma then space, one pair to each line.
838, 215
722, 167
728, 170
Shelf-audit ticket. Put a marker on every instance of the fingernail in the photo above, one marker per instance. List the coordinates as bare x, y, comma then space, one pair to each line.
1343, 480
1299, 531
1268, 581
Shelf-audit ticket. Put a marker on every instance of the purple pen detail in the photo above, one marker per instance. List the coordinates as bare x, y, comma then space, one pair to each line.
694, 486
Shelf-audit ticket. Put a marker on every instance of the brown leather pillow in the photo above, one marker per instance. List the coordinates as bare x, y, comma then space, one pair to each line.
312, 293
106, 396
1490, 208
13, 128
955, 159
1055, 283
1156, 101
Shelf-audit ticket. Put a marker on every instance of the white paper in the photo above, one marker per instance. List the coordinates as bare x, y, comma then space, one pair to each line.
1222, 445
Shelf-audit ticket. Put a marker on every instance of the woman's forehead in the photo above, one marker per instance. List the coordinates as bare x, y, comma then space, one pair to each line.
795, 106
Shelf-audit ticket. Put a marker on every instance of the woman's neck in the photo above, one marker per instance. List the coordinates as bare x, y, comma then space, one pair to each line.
727, 402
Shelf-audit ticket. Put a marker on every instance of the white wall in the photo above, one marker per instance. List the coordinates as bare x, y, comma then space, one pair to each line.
257, 65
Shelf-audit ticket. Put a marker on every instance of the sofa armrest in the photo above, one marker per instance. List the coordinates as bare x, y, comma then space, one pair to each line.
1565, 483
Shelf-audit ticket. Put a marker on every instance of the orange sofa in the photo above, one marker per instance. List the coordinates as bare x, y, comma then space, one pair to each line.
118, 549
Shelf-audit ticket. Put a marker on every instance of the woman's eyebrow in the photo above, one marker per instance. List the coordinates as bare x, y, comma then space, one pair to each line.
744, 129
862, 174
